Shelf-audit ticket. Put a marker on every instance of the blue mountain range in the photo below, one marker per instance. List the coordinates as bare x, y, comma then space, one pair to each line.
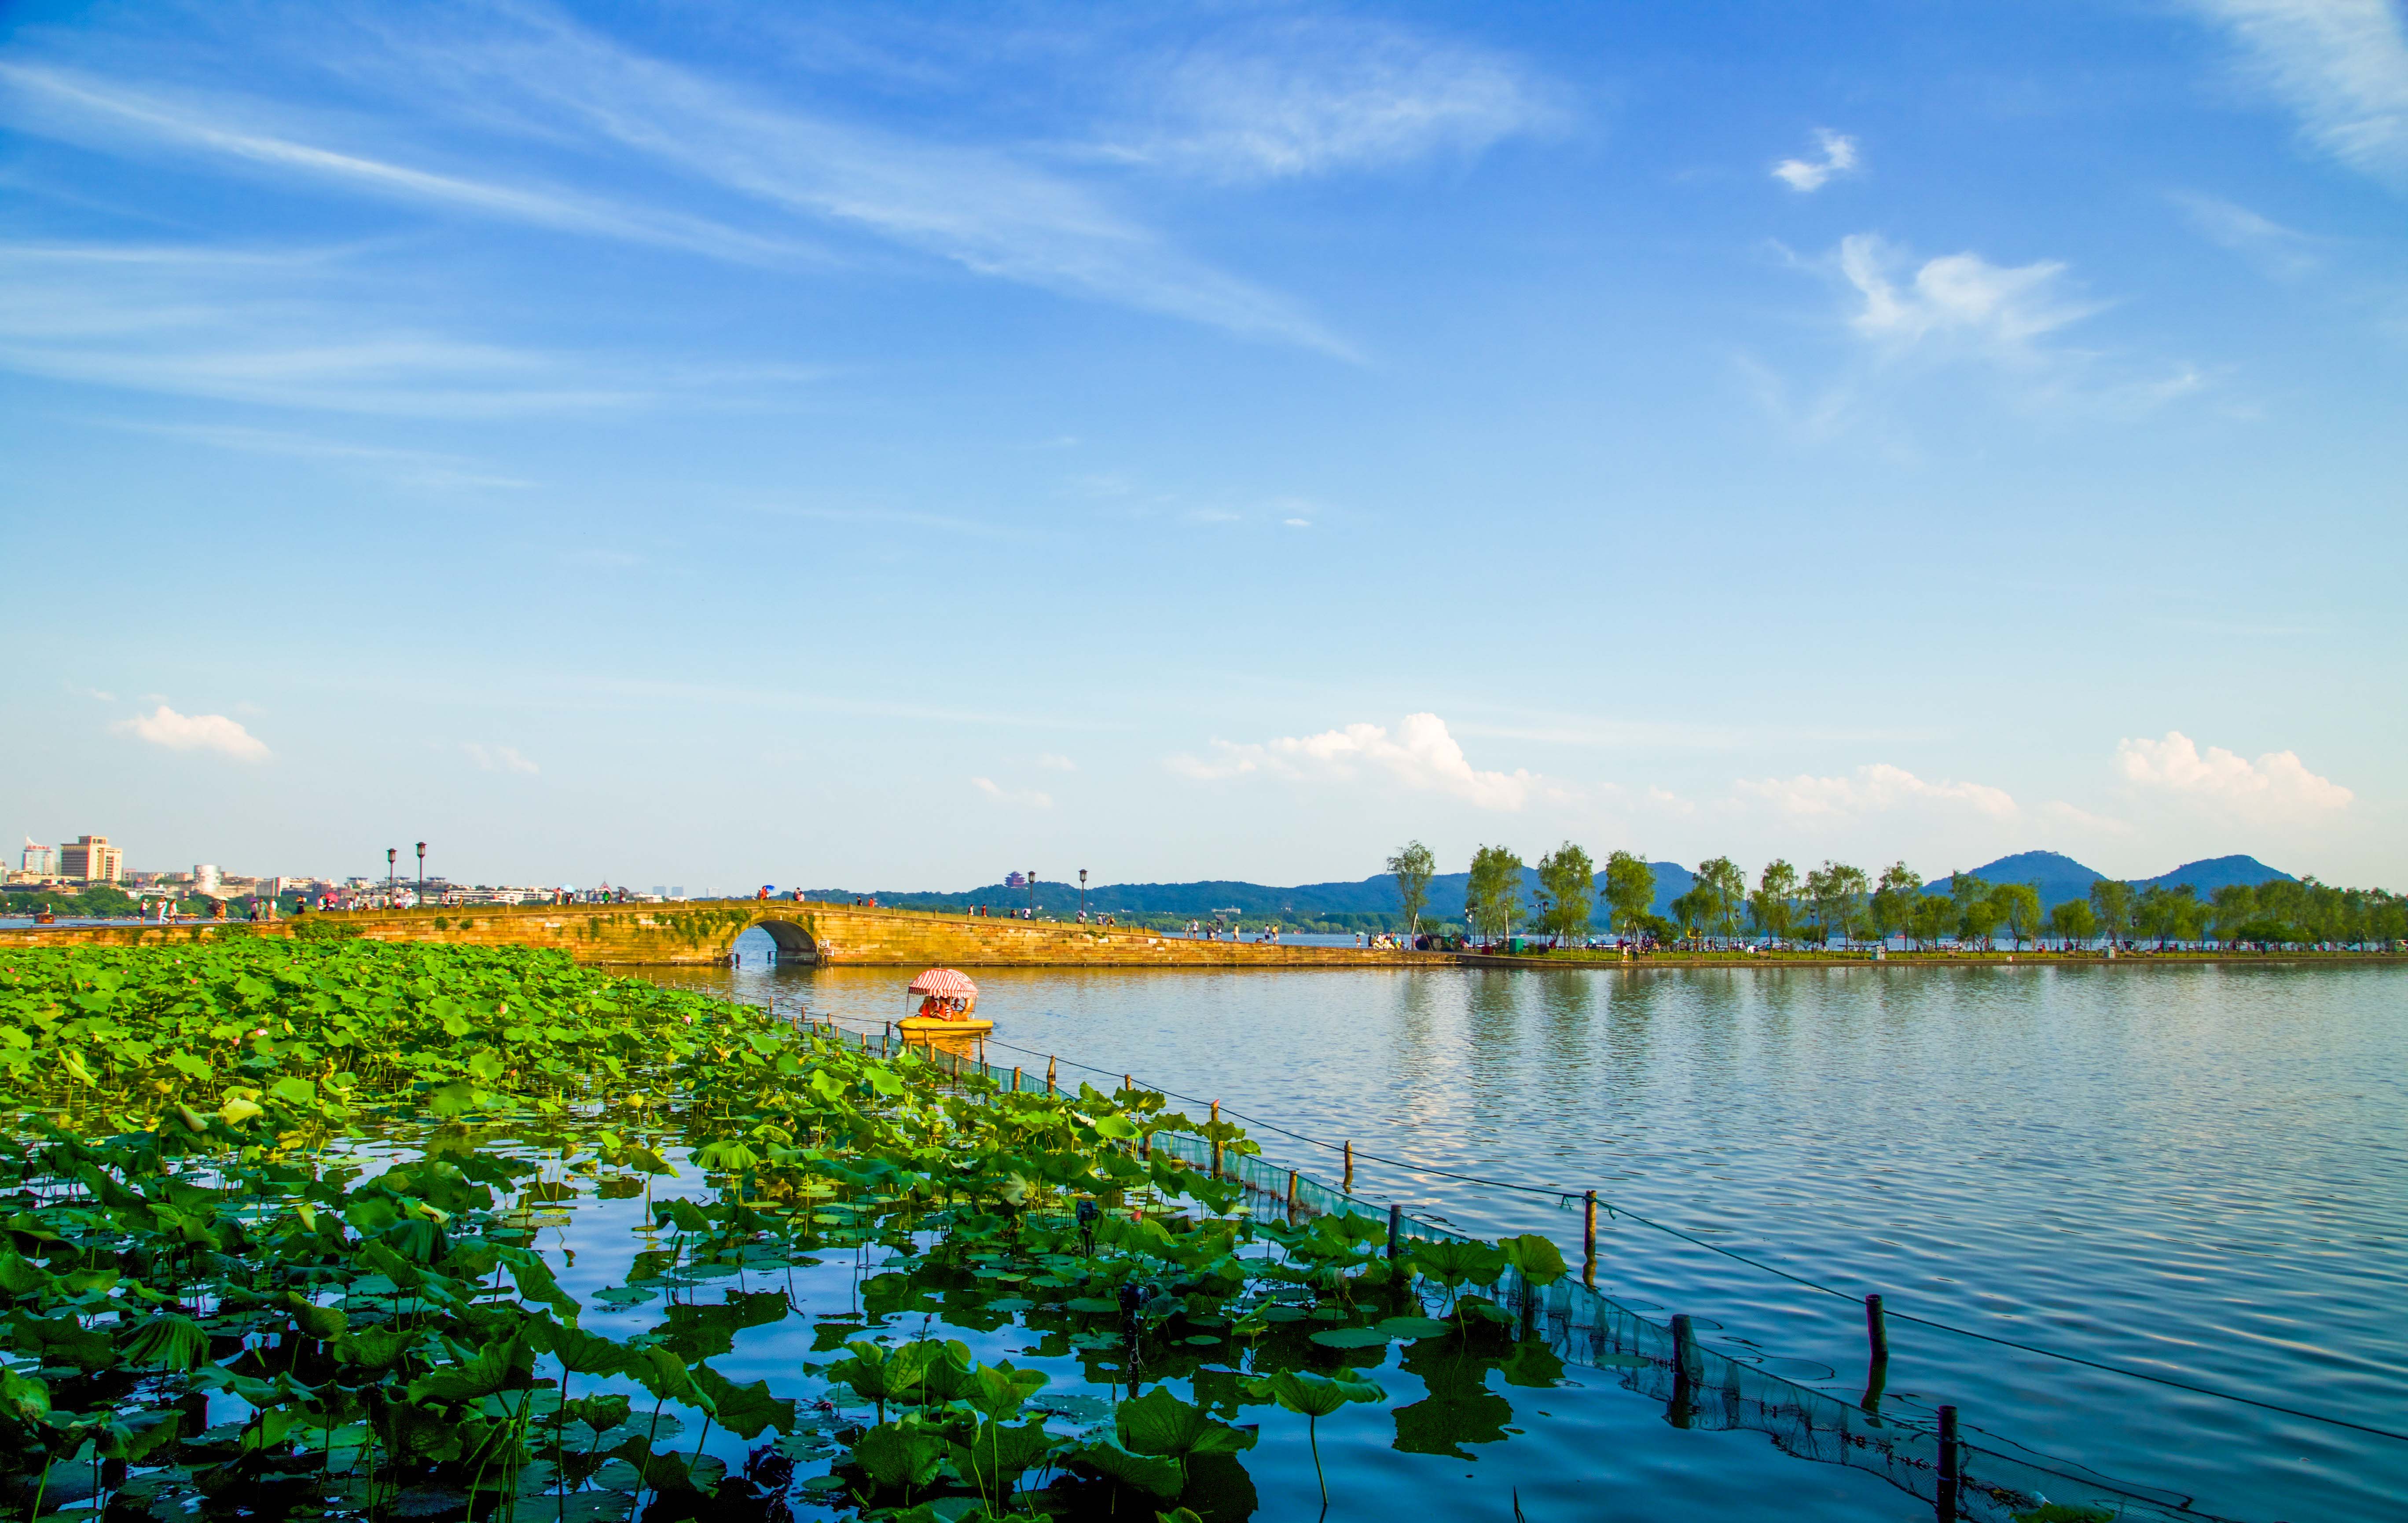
2058, 877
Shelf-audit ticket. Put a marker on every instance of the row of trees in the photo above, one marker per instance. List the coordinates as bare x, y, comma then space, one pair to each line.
1839, 902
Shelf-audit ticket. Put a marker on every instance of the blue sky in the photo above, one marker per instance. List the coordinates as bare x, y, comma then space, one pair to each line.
888, 446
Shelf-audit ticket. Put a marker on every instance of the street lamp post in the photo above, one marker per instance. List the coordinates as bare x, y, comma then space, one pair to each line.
1032, 894
1083, 894
389, 854
422, 875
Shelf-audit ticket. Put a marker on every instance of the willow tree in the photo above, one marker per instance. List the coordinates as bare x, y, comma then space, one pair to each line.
1836, 891
1724, 886
1492, 900
1414, 867
2074, 922
2112, 899
1774, 902
1569, 877
2018, 910
1629, 888
1893, 900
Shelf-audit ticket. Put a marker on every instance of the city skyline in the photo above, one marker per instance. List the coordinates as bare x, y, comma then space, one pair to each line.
676, 442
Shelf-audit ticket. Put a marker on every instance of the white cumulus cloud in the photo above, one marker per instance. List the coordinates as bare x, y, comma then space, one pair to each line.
1421, 755
163, 726
2341, 65
1807, 175
500, 758
1872, 790
2276, 782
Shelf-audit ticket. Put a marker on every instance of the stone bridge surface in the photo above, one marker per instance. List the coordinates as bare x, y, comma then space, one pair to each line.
702, 932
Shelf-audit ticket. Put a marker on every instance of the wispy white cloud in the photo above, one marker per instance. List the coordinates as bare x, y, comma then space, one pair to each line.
1023, 798
1805, 176
96, 694
1055, 761
2277, 783
79, 107
310, 329
525, 85
177, 732
499, 759
2001, 311
1420, 756
1319, 94
417, 467
1874, 789
2283, 253
2341, 66
284, 330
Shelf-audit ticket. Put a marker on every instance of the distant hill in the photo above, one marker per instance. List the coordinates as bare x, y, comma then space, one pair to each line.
2215, 872
1374, 896
2060, 877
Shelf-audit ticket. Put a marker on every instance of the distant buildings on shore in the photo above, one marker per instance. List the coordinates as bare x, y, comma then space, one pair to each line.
88, 861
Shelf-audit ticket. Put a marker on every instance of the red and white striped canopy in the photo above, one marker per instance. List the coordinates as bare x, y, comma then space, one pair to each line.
943, 981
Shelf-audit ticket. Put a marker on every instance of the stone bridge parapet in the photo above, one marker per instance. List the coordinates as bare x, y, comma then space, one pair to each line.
701, 931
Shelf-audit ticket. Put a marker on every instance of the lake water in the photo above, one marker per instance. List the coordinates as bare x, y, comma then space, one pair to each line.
2200, 1171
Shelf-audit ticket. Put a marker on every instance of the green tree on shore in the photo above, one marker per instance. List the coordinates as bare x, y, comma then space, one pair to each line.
2074, 921
1834, 891
1569, 877
1892, 907
1929, 918
1415, 866
2110, 900
1492, 900
1978, 922
1725, 886
2018, 907
1630, 890
1773, 906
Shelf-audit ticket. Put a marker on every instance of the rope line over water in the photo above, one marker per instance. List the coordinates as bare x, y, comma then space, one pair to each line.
1567, 1196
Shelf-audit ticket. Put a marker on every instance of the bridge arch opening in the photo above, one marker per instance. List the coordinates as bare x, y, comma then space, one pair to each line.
795, 943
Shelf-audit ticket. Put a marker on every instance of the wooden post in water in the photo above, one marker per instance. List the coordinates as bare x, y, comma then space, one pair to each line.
1588, 1240
1684, 1348
1291, 1197
1877, 1357
1395, 1230
1048, 1076
1128, 1086
1950, 1466
1015, 1078
1216, 1139
1349, 1186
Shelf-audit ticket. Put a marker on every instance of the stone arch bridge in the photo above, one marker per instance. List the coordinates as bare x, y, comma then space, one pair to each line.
702, 932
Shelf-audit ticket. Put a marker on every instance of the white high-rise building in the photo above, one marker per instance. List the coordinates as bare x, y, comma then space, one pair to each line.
42, 861
205, 878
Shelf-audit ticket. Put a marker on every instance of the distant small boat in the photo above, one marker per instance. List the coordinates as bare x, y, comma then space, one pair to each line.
947, 1000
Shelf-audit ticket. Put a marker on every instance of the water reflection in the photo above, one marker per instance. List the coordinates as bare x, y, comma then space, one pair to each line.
2194, 1171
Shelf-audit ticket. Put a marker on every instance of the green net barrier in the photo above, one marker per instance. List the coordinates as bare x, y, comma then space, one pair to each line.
1698, 1386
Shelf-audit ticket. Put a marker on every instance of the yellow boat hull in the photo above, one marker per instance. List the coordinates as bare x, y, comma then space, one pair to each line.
932, 1026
